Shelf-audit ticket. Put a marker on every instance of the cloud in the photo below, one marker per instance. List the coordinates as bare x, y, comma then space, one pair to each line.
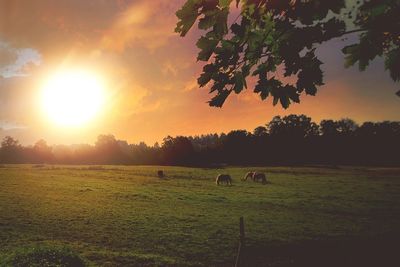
149, 23
7, 55
17, 62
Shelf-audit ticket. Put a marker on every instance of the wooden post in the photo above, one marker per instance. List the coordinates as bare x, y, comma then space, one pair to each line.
240, 255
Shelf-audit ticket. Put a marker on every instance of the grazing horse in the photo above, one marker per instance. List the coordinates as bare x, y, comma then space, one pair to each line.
259, 177
223, 178
248, 175
160, 174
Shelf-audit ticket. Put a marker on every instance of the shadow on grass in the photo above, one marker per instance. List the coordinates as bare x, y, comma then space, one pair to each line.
377, 251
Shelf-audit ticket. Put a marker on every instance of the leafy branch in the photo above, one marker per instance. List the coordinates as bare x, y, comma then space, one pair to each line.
272, 35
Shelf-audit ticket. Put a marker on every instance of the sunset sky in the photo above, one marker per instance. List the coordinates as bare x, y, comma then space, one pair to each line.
149, 73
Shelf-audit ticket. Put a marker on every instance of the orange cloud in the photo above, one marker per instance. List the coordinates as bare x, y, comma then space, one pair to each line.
150, 23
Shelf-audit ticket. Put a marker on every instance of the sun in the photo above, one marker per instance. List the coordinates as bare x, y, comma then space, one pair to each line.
72, 98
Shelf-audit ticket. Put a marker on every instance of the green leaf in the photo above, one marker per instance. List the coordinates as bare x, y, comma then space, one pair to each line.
292, 93
208, 20
204, 78
261, 70
239, 82
238, 30
265, 87
246, 70
311, 90
221, 25
285, 102
378, 10
224, 3
275, 101
207, 47
219, 99
392, 63
187, 16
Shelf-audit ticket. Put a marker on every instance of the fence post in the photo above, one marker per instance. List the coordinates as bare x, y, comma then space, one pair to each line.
240, 254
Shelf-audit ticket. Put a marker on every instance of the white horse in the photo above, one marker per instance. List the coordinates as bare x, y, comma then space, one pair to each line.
248, 175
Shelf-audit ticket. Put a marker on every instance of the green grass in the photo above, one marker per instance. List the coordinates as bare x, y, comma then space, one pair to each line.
43, 256
120, 215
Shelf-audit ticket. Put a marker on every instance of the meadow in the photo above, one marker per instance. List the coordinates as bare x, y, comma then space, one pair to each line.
127, 216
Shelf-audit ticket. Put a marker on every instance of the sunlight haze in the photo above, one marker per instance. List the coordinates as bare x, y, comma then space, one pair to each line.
72, 98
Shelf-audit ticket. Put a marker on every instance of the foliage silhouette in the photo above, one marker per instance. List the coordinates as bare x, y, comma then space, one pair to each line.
289, 140
269, 36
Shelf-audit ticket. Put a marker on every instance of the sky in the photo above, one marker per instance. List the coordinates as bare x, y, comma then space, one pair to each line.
150, 75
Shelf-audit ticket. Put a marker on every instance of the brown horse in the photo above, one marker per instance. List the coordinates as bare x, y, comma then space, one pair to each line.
259, 177
223, 178
256, 177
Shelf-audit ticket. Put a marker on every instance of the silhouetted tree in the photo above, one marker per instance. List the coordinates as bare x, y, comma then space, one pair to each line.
329, 128
260, 131
237, 146
178, 150
288, 140
11, 150
42, 152
111, 151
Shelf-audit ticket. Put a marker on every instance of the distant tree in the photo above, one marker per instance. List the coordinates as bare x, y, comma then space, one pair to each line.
367, 130
9, 143
11, 150
106, 141
144, 154
288, 140
42, 152
329, 128
238, 147
178, 150
109, 150
388, 129
347, 126
270, 36
156, 145
260, 131
293, 126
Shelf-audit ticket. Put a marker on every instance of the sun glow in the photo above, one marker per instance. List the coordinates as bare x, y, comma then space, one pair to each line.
72, 98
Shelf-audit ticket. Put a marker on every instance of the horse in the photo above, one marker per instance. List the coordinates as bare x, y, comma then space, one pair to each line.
259, 177
160, 174
223, 178
248, 175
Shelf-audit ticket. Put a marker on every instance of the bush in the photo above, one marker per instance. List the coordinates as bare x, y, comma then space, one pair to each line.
44, 256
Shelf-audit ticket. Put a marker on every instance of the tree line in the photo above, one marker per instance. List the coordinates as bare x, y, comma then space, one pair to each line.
288, 140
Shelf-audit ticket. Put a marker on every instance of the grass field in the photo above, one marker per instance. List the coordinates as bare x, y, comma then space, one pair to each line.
126, 216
